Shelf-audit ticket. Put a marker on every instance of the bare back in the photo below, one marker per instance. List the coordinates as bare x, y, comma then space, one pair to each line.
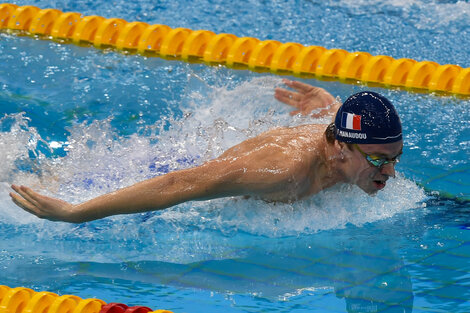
282, 164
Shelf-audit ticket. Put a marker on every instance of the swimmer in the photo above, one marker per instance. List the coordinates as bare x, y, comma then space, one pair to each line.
360, 147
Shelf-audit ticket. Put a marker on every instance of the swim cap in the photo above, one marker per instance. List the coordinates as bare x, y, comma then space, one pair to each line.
367, 118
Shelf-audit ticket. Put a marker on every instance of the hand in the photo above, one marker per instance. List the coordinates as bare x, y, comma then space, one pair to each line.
42, 206
307, 98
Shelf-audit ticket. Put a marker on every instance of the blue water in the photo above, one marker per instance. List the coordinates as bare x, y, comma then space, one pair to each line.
77, 122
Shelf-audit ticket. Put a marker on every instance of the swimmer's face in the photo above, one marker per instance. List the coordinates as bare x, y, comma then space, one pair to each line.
369, 177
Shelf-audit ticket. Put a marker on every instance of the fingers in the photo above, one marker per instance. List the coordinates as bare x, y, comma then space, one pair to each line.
39, 205
27, 193
288, 97
289, 94
300, 87
27, 199
24, 204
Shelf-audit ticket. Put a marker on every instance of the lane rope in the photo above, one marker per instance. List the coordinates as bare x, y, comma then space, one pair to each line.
25, 300
233, 51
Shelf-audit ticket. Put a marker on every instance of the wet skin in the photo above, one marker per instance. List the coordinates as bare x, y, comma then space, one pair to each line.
368, 177
284, 164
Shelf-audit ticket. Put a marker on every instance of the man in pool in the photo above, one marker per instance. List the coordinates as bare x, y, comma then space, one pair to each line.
286, 164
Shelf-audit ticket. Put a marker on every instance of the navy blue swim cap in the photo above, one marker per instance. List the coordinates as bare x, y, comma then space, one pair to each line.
367, 118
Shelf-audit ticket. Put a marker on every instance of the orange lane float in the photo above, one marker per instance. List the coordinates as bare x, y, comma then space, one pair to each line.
25, 300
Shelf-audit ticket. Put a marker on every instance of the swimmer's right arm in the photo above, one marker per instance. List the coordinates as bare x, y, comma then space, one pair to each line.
214, 179
157, 193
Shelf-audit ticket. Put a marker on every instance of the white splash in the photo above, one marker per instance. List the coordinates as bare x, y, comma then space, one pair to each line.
100, 161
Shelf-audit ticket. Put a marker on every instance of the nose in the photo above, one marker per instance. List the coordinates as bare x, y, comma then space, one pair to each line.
388, 169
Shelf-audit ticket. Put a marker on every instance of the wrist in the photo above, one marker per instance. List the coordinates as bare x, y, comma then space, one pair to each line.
74, 215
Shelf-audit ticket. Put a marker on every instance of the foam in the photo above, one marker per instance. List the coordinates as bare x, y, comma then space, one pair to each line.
331, 209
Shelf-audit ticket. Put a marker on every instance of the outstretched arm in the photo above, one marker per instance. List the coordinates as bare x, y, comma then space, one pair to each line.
203, 182
253, 167
307, 99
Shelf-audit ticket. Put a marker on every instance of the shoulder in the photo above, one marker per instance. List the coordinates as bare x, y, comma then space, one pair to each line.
283, 144
310, 129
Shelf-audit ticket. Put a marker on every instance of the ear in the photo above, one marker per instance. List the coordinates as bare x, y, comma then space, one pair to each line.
345, 149
339, 147
342, 146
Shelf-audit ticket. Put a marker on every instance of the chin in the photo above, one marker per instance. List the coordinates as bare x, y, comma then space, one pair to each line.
372, 193
370, 190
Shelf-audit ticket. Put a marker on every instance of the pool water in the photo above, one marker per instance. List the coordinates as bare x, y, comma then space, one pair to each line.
77, 122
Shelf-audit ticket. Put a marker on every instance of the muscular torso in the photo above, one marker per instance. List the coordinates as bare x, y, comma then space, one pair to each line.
283, 164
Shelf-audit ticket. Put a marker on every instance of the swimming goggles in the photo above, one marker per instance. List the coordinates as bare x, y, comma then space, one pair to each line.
376, 160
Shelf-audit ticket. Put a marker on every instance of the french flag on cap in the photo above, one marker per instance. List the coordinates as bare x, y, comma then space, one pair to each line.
351, 121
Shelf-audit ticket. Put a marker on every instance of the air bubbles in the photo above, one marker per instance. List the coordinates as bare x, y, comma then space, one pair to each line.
56, 144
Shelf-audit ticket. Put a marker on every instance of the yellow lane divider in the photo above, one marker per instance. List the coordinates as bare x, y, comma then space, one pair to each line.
25, 300
186, 44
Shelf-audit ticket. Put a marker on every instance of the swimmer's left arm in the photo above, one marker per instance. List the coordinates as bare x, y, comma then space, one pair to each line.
307, 99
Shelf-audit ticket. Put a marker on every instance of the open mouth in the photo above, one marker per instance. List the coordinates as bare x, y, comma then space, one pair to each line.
379, 184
